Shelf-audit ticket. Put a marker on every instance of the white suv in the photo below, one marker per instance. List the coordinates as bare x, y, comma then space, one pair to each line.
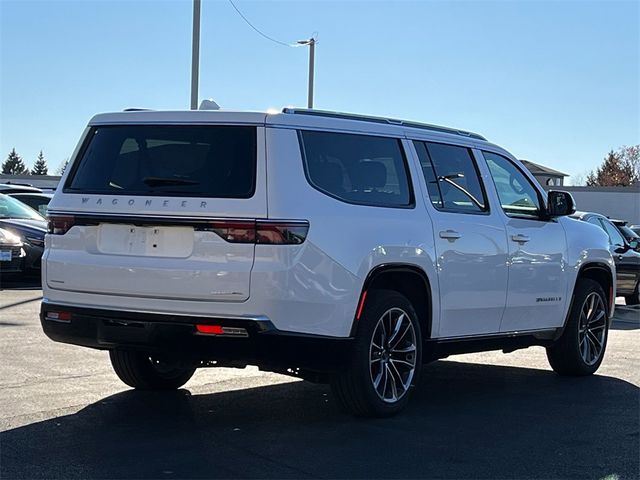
329, 246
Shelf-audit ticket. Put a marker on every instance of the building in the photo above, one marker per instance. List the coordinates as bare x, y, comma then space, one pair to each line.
47, 182
546, 176
621, 203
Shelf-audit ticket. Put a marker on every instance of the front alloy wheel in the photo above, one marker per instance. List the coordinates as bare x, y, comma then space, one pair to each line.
580, 349
592, 328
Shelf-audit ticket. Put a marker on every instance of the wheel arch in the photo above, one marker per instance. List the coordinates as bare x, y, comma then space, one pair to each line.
407, 279
601, 273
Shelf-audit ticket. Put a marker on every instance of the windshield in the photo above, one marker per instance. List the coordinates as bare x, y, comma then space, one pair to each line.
12, 208
628, 233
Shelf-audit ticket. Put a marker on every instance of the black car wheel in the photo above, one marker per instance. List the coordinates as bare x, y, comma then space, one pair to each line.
634, 298
146, 372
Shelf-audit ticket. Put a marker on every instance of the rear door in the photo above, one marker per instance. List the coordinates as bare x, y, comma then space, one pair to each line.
538, 268
470, 241
162, 211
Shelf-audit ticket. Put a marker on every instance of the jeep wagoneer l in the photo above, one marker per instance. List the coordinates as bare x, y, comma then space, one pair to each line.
329, 246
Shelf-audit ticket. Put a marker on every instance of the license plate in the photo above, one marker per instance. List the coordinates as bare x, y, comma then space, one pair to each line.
171, 241
5, 255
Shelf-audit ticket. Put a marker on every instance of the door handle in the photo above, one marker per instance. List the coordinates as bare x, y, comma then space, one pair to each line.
520, 238
450, 234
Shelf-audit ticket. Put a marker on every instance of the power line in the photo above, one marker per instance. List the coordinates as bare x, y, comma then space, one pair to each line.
260, 32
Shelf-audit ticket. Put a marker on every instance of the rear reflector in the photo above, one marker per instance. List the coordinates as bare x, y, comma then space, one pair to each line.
361, 305
59, 316
221, 331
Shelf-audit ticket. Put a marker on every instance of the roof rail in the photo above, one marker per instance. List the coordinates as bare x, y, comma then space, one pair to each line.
390, 121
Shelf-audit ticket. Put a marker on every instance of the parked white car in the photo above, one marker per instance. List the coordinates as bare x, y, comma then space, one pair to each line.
330, 246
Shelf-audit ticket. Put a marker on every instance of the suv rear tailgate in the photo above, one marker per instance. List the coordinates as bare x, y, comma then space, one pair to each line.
152, 210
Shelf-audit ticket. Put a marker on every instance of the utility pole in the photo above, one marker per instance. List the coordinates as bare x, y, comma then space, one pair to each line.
195, 54
312, 59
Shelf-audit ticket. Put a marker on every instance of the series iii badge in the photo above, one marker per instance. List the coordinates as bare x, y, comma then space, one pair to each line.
548, 299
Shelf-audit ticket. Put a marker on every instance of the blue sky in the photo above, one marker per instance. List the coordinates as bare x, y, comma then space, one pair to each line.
555, 82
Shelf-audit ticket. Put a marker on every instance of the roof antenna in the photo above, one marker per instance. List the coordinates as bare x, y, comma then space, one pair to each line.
209, 105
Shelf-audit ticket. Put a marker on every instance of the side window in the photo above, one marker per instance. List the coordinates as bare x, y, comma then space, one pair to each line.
518, 197
595, 221
358, 169
452, 178
615, 237
429, 175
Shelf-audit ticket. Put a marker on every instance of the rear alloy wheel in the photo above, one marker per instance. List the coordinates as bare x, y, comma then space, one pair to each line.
144, 371
386, 358
392, 355
580, 349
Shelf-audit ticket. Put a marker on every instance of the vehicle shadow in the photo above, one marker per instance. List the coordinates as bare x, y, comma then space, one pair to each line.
465, 421
12, 281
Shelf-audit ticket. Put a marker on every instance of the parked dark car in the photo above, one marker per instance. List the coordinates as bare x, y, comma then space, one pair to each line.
38, 201
27, 224
627, 232
624, 254
635, 228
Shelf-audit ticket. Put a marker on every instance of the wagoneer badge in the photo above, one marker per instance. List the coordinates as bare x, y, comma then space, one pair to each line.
147, 203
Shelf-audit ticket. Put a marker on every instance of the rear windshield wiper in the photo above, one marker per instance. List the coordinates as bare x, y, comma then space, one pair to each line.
161, 181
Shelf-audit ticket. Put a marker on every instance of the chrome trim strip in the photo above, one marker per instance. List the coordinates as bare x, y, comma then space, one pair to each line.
515, 333
255, 318
203, 218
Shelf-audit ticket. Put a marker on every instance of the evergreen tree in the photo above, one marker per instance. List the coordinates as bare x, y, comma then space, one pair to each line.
612, 173
62, 167
40, 167
14, 165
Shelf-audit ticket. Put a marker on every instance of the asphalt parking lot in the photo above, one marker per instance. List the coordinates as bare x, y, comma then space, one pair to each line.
64, 414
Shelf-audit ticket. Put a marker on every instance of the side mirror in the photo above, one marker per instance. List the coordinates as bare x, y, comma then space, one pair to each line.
560, 203
634, 244
620, 248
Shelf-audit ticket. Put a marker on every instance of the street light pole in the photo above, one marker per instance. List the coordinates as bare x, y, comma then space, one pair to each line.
312, 61
195, 54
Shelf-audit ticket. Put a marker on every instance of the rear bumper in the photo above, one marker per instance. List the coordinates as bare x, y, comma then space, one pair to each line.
263, 344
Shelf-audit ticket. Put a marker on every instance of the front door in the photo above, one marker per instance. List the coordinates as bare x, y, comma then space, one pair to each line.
537, 292
470, 242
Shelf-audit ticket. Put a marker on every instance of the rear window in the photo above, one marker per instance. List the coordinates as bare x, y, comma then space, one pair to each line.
358, 169
169, 160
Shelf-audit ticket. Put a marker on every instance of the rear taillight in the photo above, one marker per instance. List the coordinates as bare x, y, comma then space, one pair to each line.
234, 231
60, 224
266, 232
281, 233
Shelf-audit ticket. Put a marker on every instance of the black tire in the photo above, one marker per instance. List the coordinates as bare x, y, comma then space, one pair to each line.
566, 355
354, 385
634, 298
140, 370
